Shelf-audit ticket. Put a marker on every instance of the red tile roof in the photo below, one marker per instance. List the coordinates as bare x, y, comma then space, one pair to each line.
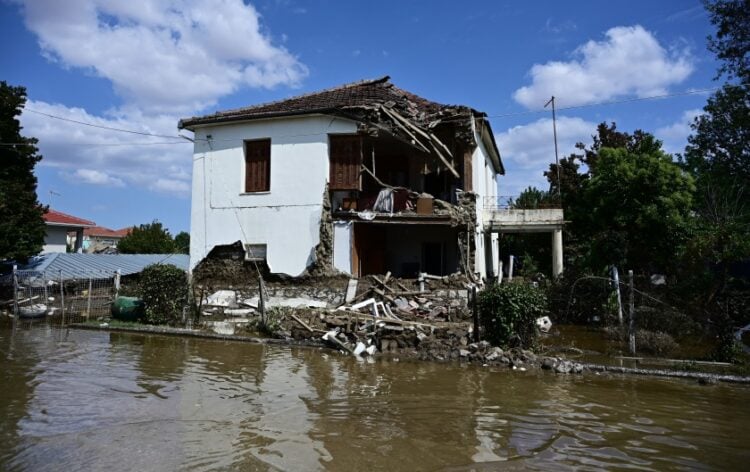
101, 231
357, 94
54, 217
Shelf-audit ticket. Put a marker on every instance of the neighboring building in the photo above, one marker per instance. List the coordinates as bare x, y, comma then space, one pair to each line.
59, 224
99, 238
365, 178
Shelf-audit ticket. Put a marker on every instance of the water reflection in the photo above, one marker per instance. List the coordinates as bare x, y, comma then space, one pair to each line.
84, 400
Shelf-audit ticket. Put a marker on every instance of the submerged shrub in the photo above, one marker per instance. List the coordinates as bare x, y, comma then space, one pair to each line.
164, 290
508, 313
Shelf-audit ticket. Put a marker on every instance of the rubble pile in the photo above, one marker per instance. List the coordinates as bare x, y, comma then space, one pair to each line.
378, 315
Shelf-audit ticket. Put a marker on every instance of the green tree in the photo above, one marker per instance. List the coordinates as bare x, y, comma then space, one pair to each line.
731, 44
22, 226
182, 242
149, 238
718, 151
638, 205
531, 198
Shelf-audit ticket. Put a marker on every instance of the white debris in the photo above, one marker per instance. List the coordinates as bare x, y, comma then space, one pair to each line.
359, 348
544, 324
223, 327
221, 298
239, 311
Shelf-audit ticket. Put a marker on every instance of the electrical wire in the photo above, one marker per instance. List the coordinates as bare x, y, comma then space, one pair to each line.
105, 144
111, 128
444, 120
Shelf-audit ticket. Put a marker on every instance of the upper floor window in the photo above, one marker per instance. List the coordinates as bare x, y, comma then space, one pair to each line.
258, 165
345, 153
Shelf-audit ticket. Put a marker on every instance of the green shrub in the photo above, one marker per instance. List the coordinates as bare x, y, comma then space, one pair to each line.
508, 313
164, 292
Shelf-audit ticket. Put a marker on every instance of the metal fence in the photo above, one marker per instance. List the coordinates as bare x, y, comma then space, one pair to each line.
51, 296
509, 202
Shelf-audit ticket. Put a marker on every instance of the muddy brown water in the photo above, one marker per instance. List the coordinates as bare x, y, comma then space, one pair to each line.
83, 400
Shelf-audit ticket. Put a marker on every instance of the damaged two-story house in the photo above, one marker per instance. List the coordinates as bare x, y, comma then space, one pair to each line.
364, 178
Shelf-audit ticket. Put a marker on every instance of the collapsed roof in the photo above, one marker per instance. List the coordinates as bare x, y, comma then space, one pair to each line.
373, 102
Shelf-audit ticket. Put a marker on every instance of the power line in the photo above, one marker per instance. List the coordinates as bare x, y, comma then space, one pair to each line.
104, 144
111, 128
615, 102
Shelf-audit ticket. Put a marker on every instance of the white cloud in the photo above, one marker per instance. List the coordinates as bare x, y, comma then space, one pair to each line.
99, 156
675, 135
164, 56
94, 177
166, 59
630, 61
529, 149
171, 186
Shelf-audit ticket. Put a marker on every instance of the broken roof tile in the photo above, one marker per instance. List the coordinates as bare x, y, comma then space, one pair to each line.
364, 93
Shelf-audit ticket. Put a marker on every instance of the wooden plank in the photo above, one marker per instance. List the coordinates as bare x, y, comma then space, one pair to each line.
397, 120
445, 161
304, 325
381, 283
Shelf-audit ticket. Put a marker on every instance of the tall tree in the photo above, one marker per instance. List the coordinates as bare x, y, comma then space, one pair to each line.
637, 205
718, 153
22, 226
731, 44
149, 238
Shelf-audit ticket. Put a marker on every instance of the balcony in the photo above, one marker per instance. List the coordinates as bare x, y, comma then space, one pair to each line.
499, 215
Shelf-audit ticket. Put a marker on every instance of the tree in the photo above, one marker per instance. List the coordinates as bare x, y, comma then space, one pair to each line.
531, 198
22, 227
638, 205
732, 41
182, 242
150, 238
718, 152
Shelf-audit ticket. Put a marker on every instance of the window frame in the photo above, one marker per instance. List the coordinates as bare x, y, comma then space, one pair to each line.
246, 189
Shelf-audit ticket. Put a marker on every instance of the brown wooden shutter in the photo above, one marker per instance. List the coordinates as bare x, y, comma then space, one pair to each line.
345, 159
258, 165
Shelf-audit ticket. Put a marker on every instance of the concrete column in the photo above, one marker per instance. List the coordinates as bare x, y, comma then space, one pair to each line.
557, 253
79, 240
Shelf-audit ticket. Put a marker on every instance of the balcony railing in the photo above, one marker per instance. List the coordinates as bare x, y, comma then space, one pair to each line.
511, 202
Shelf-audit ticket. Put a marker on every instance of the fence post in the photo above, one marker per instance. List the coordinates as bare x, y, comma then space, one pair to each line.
616, 278
15, 291
631, 310
117, 282
475, 313
88, 302
62, 298
510, 268
261, 302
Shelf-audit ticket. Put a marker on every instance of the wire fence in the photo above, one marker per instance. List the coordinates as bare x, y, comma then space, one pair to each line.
54, 297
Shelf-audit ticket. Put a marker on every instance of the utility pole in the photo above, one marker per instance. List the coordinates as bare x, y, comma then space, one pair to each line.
557, 160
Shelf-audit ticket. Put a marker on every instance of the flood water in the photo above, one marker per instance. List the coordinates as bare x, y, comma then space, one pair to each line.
83, 400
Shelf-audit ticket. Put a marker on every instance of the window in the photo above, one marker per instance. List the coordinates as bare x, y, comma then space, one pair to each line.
255, 252
346, 158
258, 165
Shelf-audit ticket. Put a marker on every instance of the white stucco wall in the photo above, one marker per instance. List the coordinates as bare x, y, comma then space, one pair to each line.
485, 186
342, 246
56, 239
286, 218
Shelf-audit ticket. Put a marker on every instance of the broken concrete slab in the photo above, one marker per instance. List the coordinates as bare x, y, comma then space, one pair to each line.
222, 298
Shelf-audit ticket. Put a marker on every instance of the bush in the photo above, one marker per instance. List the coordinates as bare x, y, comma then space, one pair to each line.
164, 292
508, 313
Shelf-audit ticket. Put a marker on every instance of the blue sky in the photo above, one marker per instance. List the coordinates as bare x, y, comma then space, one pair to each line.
143, 64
